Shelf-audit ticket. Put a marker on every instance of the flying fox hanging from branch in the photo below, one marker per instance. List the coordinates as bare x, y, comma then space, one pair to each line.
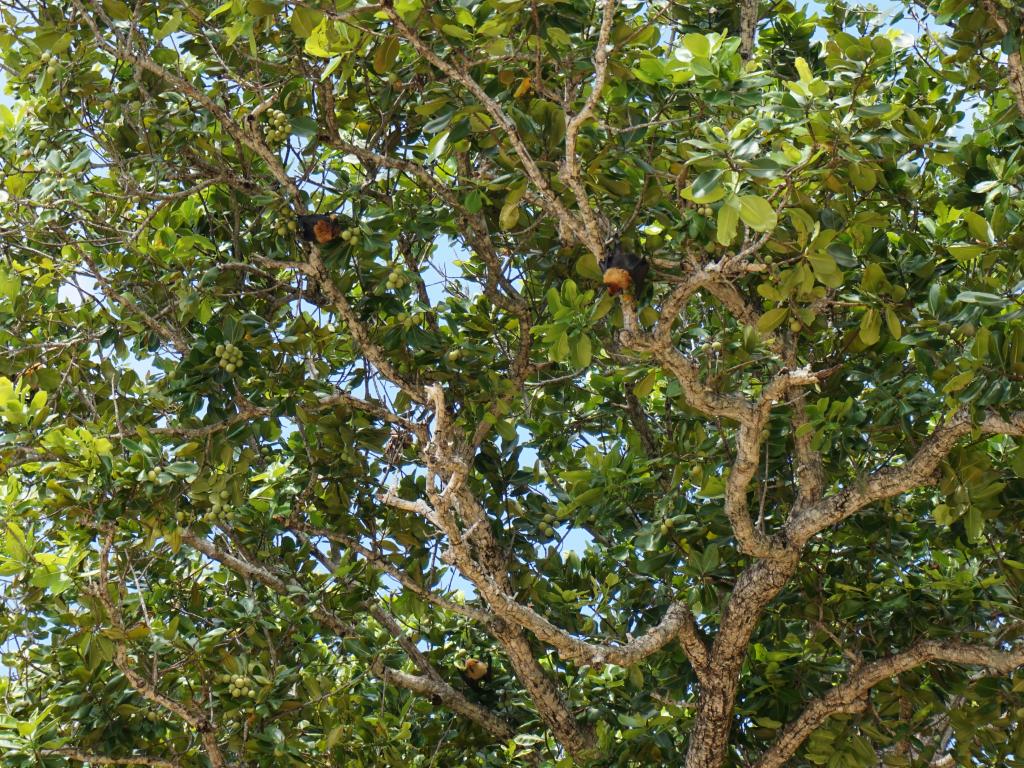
623, 271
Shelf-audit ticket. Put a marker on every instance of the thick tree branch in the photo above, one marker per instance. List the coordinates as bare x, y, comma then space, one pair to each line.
752, 417
749, 439
1015, 77
677, 624
550, 199
851, 695
379, 561
449, 697
748, 26
570, 167
268, 579
756, 587
810, 475
432, 685
893, 481
196, 719
249, 411
94, 759
479, 555
698, 395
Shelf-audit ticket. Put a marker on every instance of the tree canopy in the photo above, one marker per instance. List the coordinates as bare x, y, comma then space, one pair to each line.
264, 497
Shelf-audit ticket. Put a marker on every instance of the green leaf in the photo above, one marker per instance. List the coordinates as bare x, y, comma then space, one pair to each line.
892, 322
803, 70
645, 386
29, 727
870, 327
10, 285
757, 213
698, 45
334, 736
457, 32
825, 269
560, 349
707, 187
509, 216
474, 201
581, 351
260, 8
602, 308
958, 382
170, 27
728, 221
385, 55
119, 10
182, 468
586, 266
304, 20
772, 319
986, 299
862, 176
559, 36
974, 524
222, 8
320, 41
38, 400
873, 277
979, 227
965, 252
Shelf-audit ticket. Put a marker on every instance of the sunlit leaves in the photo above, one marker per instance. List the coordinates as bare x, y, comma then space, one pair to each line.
757, 213
861, 208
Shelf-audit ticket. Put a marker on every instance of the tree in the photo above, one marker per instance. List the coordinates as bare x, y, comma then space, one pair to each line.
263, 498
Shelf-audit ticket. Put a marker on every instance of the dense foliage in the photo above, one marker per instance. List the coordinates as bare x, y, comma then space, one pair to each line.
263, 498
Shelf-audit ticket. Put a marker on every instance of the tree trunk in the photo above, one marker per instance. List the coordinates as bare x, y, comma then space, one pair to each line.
756, 587
748, 27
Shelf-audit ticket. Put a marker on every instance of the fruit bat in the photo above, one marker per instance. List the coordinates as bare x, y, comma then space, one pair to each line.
623, 270
319, 228
477, 672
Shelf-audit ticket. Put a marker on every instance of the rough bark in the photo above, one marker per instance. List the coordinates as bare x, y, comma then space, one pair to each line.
1015, 67
748, 27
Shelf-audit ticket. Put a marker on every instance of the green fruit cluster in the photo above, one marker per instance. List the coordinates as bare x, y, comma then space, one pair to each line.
50, 61
547, 526
230, 357
706, 211
396, 279
280, 126
286, 227
350, 235
217, 505
152, 475
238, 685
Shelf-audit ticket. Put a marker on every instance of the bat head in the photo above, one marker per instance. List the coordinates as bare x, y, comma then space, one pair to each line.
476, 669
623, 270
326, 229
617, 280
